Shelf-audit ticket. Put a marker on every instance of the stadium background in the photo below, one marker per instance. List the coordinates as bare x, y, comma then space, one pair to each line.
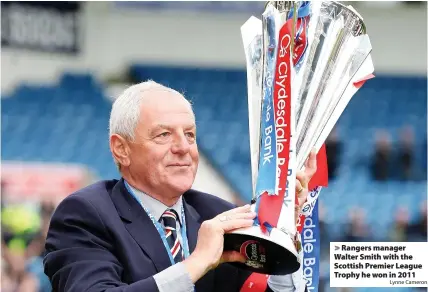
63, 63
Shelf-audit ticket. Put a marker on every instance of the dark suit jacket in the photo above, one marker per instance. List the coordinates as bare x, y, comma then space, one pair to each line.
100, 239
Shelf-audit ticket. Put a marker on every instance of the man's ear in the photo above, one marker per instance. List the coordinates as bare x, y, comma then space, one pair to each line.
120, 149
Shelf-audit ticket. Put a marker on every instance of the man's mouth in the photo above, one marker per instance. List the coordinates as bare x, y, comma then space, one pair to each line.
179, 165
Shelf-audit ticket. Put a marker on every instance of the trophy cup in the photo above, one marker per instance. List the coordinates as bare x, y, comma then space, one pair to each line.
305, 61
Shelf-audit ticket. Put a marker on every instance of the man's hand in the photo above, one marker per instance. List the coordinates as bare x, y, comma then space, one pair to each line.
302, 181
209, 253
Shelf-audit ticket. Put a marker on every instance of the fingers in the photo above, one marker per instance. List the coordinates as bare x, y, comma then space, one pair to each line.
242, 209
296, 215
311, 164
229, 221
232, 256
249, 215
303, 177
296, 211
233, 224
226, 224
234, 221
300, 182
225, 217
301, 191
302, 197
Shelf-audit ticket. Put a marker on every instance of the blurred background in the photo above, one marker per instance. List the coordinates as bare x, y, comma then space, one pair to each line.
63, 63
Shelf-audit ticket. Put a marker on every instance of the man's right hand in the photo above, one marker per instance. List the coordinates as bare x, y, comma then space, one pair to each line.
209, 253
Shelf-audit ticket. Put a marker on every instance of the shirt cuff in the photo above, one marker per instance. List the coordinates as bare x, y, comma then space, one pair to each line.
281, 283
174, 279
294, 282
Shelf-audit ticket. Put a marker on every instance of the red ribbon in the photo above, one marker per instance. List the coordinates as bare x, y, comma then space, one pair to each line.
301, 41
361, 82
319, 179
270, 204
255, 283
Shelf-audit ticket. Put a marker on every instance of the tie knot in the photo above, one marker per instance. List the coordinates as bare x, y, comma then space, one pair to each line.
169, 218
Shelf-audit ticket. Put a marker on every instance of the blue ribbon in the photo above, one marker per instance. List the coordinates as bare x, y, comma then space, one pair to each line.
266, 179
303, 10
159, 228
311, 259
310, 232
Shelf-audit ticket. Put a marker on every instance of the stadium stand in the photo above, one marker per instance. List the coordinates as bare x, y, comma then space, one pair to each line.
68, 122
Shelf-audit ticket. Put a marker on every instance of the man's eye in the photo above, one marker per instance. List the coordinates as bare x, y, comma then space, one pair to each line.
164, 134
190, 134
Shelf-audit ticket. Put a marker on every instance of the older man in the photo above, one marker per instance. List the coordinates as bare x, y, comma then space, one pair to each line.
149, 231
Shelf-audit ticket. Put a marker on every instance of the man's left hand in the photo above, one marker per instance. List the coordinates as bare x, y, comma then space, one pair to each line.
302, 181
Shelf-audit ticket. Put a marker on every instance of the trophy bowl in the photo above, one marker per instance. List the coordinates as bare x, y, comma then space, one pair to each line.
265, 254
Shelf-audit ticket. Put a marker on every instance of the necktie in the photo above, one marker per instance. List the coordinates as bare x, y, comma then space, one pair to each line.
169, 218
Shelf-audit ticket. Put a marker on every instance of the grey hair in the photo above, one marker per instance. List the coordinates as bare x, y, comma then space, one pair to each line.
125, 111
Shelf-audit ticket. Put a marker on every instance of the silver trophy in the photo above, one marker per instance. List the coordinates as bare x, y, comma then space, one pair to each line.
305, 60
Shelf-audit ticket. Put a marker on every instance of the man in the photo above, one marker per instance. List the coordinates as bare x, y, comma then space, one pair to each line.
149, 231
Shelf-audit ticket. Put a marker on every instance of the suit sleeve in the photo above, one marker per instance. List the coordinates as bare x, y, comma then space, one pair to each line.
79, 254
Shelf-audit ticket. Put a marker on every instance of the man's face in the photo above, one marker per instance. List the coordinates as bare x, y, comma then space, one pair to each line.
164, 155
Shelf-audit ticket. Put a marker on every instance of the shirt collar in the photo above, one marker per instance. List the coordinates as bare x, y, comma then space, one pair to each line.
155, 207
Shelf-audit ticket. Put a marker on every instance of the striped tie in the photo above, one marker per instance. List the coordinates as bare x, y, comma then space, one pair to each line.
169, 218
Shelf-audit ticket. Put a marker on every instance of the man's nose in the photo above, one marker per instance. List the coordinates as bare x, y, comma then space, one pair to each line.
180, 145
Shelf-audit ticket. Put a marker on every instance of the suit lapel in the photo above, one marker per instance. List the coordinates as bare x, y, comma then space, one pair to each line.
140, 226
192, 224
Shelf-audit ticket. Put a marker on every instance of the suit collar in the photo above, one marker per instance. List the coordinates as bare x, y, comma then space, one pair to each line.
139, 225
193, 224
142, 229
155, 207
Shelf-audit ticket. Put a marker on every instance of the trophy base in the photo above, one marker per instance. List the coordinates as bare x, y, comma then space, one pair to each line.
275, 254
